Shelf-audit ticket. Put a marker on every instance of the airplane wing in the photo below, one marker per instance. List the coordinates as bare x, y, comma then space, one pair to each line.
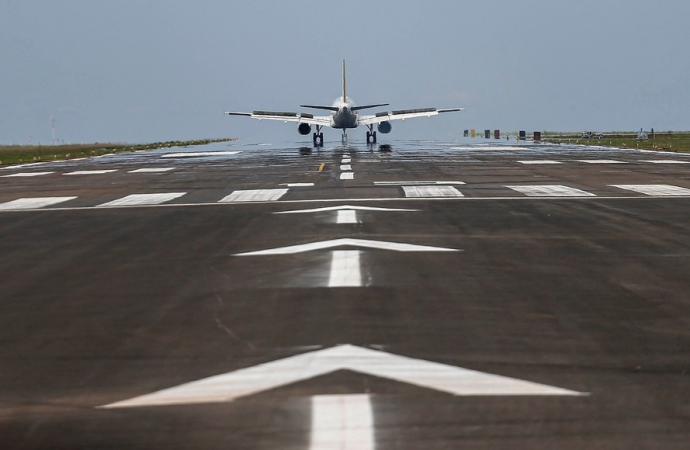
403, 114
285, 117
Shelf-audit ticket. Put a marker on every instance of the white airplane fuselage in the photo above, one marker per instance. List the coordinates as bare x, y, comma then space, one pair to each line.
345, 117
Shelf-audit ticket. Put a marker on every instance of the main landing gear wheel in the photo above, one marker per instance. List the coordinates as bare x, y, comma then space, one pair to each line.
318, 139
371, 137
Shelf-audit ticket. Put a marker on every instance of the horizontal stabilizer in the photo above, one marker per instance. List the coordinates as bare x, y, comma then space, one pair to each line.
451, 110
327, 108
357, 108
238, 114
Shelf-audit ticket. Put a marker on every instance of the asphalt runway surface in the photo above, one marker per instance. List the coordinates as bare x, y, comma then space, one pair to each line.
440, 295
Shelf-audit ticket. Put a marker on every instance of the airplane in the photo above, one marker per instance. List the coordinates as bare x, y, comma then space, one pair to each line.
344, 115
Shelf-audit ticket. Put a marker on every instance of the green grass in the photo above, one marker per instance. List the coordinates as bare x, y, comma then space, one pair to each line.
676, 141
18, 154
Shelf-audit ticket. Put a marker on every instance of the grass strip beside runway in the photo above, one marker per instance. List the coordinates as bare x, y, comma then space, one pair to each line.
18, 154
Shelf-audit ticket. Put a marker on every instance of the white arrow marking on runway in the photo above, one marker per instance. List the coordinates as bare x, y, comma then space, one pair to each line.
244, 382
395, 246
344, 207
342, 422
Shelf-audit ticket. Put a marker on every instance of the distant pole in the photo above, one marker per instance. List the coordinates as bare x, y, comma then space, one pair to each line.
52, 125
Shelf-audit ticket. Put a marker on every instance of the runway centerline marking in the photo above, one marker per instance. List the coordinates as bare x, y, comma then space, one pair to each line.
255, 195
431, 191
346, 216
345, 167
346, 161
666, 161
657, 190
347, 176
551, 191
33, 203
345, 269
341, 422
27, 174
143, 199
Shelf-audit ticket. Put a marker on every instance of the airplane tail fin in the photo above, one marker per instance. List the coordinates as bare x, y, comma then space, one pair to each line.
344, 84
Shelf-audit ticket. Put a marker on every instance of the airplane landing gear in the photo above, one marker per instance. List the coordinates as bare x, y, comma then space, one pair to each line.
318, 137
344, 139
371, 135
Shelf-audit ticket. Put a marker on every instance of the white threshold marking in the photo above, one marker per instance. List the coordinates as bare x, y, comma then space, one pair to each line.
431, 191
297, 184
229, 386
345, 167
198, 154
660, 190
344, 207
152, 170
347, 176
27, 174
666, 161
543, 161
414, 183
90, 172
342, 422
322, 245
346, 216
345, 269
600, 161
144, 199
551, 191
255, 195
33, 203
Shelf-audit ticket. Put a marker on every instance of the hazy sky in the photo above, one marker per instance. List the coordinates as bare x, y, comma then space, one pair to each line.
138, 70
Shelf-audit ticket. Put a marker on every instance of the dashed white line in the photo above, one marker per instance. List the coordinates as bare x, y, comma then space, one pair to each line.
144, 199
152, 170
345, 269
297, 184
255, 195
600, 161
27, 174
551, 191
666, 161
342, 422
347, 176
90, 172
656, 190
346, 216
346, 161
543, 161
431, 191
198, 154
345, 167
415, 183
33, 203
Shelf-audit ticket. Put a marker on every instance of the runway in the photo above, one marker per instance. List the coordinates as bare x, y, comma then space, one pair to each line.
469, 294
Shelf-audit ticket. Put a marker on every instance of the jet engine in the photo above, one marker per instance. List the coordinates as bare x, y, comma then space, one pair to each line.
304, 129
385, 127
